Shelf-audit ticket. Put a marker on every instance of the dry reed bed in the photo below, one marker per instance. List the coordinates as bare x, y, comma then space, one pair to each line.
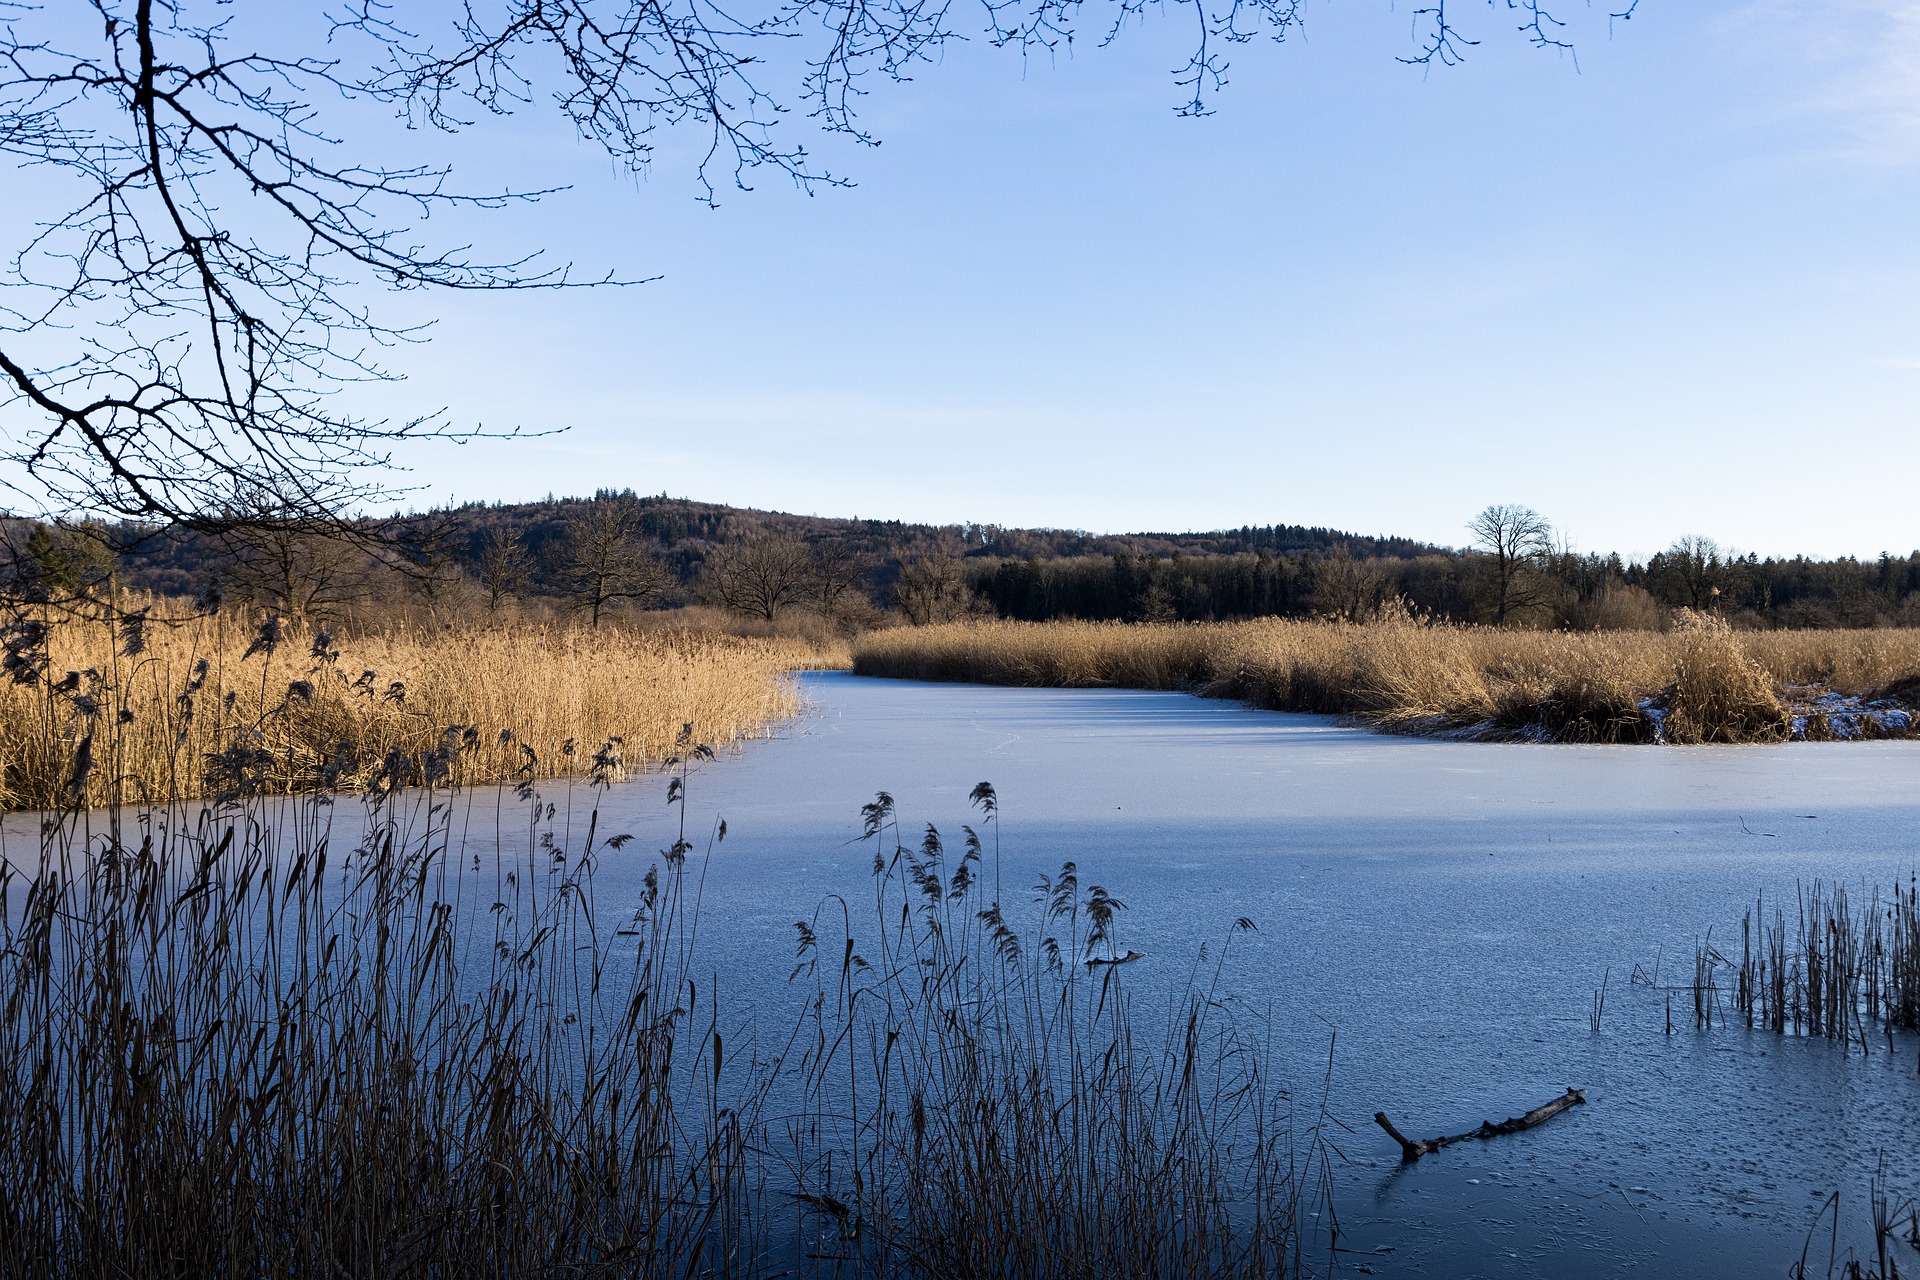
1697, 682
207, 705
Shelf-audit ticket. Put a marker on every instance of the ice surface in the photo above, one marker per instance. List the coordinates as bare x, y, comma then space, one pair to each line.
1447, 907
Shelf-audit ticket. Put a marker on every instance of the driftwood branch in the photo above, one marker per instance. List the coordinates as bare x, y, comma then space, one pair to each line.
1411, 1150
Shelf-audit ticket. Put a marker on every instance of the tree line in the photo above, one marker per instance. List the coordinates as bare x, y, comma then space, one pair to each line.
618, 552
1504, 579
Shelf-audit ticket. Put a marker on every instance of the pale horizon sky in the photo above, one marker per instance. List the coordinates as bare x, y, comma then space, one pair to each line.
1670, 291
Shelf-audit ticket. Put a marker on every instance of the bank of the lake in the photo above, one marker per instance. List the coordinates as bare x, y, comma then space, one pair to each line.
152, 700
1699, 681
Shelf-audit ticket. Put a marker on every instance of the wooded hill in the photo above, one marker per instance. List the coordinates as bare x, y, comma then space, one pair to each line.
619, 550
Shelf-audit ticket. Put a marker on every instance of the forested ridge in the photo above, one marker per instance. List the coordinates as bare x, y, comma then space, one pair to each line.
618, 550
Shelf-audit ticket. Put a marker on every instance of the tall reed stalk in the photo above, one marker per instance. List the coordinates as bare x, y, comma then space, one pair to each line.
1834, 972
1007, 1112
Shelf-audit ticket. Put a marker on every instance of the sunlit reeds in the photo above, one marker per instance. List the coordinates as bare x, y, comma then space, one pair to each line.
157, 708
1698, 681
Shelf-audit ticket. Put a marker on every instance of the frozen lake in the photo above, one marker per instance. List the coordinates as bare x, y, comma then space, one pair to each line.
1447, 908
1437, 913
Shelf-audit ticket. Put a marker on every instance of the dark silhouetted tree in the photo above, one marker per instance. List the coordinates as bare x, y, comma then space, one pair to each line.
1349, 589
293, 568
933, 588
1692, 572
761, 575
1515, 540
605, 560
504, 565
839, 579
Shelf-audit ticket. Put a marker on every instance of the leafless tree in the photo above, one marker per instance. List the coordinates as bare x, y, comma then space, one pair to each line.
1693, 572
606, 561
1156, 605
504, 565
293, 568
204, 277
420, 550
933, 588
1346, 588
760, 575
839, 571
1515, 539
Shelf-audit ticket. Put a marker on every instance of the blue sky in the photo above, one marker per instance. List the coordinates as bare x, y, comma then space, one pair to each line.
1671, 290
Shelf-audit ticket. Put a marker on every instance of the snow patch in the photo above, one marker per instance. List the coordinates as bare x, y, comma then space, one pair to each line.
1820, 715
1656, 713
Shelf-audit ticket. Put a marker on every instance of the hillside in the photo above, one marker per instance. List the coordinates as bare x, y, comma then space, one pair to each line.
662, 552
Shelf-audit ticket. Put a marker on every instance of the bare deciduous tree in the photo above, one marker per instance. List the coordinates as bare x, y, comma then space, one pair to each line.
606, 561
1156, 605
293, 568
1515, 539
1692, 572
838, 573
933, 588
760, 575
1349, 589
504, 565
420, 551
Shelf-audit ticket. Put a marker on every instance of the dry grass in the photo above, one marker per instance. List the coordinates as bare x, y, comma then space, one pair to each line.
1406, 674
206, 705
1860, 662
819, 644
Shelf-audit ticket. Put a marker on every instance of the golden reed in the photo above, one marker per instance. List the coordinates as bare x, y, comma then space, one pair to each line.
1408, 674
180, 708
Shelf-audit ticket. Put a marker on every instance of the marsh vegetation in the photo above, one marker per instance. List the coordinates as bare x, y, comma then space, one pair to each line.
1698, 681
386, 1025
247, 1040
1845, 969
1836, 966
157, 702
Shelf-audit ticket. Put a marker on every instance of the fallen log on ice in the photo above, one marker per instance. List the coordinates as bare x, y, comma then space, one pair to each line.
1411, 1150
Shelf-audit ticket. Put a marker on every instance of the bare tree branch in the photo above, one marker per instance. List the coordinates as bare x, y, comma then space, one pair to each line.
761, 575
177, 332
